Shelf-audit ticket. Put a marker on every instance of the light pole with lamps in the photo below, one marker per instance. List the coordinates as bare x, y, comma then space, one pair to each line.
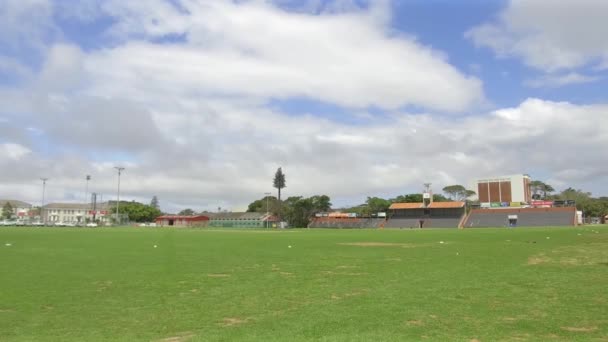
86, 194
267, 213
120, 169
42, 218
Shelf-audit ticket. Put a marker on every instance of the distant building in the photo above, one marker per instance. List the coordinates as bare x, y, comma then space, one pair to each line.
182, 221
503, 190
243, 220
76, 212
20, 209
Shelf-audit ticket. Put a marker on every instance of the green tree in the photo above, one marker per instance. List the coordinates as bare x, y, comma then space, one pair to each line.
279, 181
409, 198
458, 192
540, 189
267, 203
154, 202
454, 191
547, 189
137, 212
377, 205
321, 203
186, 212
298, 210
7, 210
441, 198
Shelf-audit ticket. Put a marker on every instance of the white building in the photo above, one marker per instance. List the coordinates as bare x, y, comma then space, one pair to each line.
503, 189
76, 213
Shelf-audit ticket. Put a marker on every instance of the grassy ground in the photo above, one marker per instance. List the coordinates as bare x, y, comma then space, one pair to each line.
332, 285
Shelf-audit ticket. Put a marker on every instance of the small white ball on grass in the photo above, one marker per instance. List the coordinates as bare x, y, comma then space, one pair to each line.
155, 246
548, 238
8, 244
289, 246
441, 242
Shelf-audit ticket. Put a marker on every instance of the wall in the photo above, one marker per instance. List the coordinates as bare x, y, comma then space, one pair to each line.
514, 188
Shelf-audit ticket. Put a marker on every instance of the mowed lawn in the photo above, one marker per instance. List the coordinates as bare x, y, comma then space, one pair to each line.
62, 284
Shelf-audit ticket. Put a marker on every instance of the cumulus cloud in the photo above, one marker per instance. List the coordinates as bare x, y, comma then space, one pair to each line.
256, 49
548, 35
342, 160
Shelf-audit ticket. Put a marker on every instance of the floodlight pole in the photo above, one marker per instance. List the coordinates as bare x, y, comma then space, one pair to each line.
267, 212
42, 206
119, 169
86, 194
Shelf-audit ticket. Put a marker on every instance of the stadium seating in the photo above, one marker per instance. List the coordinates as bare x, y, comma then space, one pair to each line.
525, 217
329, 222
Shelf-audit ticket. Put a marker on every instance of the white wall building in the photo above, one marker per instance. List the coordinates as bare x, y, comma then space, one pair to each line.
76, 212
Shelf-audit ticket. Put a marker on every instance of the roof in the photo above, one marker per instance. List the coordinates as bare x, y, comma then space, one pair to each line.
446, 205
15, 203
182, 217
405, 206
81, 206
434, 205
237, 216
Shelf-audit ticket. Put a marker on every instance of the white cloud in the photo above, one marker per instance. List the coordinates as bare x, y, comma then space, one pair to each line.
559, 80
25, 23
255, 49
13, 151
548, 35
230, 152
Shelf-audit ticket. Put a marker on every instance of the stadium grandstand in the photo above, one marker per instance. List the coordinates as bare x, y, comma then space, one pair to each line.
521, 217
425, 215
345, 220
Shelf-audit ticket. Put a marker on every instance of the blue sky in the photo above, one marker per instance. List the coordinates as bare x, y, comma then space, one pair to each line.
353, 98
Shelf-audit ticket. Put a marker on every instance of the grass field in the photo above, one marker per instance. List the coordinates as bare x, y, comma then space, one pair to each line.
332, 285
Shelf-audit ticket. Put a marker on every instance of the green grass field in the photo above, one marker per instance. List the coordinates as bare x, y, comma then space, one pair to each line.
332, 285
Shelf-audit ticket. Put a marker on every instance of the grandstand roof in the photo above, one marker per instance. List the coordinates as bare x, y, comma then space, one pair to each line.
434, 205
405, 206
183, 217
446, 205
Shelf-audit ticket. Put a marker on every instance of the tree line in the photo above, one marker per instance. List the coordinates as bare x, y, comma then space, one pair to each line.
585, 202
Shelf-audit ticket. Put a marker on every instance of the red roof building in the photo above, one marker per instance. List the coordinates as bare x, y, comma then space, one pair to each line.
182, 221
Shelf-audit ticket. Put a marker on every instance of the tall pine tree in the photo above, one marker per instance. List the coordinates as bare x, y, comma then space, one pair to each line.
154, 203
279, 181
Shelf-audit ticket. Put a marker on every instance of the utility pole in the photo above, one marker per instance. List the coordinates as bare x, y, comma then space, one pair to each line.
86, 194
119, 169
267, 213
42, 218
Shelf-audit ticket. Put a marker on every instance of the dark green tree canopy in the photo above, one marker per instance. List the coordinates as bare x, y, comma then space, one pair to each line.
296, 210
137, 212
540, 189
154, 202
7, 210
458, 192
279, 181
267, 203
187, 212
